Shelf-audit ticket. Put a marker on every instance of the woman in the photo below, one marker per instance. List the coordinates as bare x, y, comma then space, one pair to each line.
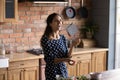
55, 48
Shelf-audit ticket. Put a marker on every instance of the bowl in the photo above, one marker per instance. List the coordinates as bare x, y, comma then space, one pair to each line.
95, 75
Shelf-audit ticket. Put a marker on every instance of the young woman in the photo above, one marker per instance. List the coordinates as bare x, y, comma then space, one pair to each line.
55, 48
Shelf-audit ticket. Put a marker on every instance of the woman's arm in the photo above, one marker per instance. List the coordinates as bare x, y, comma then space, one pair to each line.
68, 60
74, 43
57, 60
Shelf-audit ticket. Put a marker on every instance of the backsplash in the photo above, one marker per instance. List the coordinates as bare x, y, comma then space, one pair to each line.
27, 31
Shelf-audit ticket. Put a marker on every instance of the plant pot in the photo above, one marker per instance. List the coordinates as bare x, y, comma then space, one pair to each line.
89, 35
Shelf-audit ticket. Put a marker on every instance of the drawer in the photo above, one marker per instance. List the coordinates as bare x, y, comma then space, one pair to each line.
81, 56
23, 64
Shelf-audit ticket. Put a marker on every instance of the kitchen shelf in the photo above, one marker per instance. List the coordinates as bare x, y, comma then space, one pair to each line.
55, 2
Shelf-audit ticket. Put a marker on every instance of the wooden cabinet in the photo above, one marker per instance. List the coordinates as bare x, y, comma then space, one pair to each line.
42, 69
3, 74
24, 70
8, 10
99, 61
83, 65
88, 62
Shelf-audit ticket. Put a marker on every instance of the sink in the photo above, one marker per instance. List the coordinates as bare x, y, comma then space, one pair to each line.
4, 62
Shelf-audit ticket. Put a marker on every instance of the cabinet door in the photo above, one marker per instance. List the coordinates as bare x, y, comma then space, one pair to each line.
15, 74
9, 10
83, 67
42, 72
99, 61
31, 73
72, 69
3, 74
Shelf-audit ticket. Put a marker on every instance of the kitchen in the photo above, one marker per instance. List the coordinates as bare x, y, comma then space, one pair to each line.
25, 33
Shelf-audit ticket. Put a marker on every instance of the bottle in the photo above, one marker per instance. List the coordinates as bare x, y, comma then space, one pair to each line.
81, 45
2, 49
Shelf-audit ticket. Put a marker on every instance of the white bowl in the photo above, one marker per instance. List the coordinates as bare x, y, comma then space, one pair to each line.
4, 62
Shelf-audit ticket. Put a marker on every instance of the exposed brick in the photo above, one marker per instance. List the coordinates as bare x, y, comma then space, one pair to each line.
38, 34
4, 36
27, 31
18, 30
21, 13
16, 35
35, 17
35, 8
44, 17
30, 13
18, 40
23, 8
8, 31
29, 34
9, 40
43, 8
24, 17
24, 40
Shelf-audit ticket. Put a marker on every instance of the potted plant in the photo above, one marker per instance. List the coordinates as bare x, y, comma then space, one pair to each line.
90, 29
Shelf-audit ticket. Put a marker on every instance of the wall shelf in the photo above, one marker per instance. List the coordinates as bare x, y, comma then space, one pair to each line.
55, 2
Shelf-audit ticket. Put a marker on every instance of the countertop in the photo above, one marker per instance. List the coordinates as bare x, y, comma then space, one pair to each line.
87, 50
25, 56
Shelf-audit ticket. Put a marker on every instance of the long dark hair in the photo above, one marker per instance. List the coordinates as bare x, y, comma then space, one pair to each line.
49, 20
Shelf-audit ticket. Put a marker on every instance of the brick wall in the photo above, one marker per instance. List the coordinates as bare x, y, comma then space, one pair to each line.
27, 31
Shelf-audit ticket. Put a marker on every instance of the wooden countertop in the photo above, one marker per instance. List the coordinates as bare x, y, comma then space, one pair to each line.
87, 50
25, 56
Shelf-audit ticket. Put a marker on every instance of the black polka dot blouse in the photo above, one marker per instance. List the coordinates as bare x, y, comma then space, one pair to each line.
54, 49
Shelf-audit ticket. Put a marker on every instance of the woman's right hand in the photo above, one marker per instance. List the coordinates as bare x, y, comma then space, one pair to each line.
75, 42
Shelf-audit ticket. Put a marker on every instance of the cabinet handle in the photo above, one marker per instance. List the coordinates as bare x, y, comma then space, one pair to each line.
21, 64
78, 57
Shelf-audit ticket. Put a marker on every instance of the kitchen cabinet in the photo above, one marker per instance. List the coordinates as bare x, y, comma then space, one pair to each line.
42, 69
99, 61
3, 74
88, 61
82, 66
24, 70
9, 10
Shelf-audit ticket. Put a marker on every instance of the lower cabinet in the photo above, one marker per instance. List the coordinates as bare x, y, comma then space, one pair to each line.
24, 70
42, 72
23, 74
42, 69
88, 62
99, 61
82, 66
3, 74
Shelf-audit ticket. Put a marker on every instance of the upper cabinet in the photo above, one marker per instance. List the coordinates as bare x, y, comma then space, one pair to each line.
9, 10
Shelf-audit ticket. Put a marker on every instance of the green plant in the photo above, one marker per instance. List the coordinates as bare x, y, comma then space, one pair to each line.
89, 28
82, 77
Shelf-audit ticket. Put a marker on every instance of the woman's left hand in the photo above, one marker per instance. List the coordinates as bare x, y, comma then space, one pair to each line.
71, 62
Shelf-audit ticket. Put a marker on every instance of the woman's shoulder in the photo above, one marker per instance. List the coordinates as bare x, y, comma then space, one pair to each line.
43, 38
62, 36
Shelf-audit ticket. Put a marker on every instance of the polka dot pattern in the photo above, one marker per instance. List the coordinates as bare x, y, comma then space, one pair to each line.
54, 49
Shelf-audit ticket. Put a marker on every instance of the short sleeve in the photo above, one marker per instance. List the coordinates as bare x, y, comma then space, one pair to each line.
49, 58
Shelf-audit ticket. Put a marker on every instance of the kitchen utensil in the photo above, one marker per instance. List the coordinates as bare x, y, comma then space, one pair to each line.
70, 11
83, 12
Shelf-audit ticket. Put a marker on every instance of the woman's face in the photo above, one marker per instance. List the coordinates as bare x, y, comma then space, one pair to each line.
56, 23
